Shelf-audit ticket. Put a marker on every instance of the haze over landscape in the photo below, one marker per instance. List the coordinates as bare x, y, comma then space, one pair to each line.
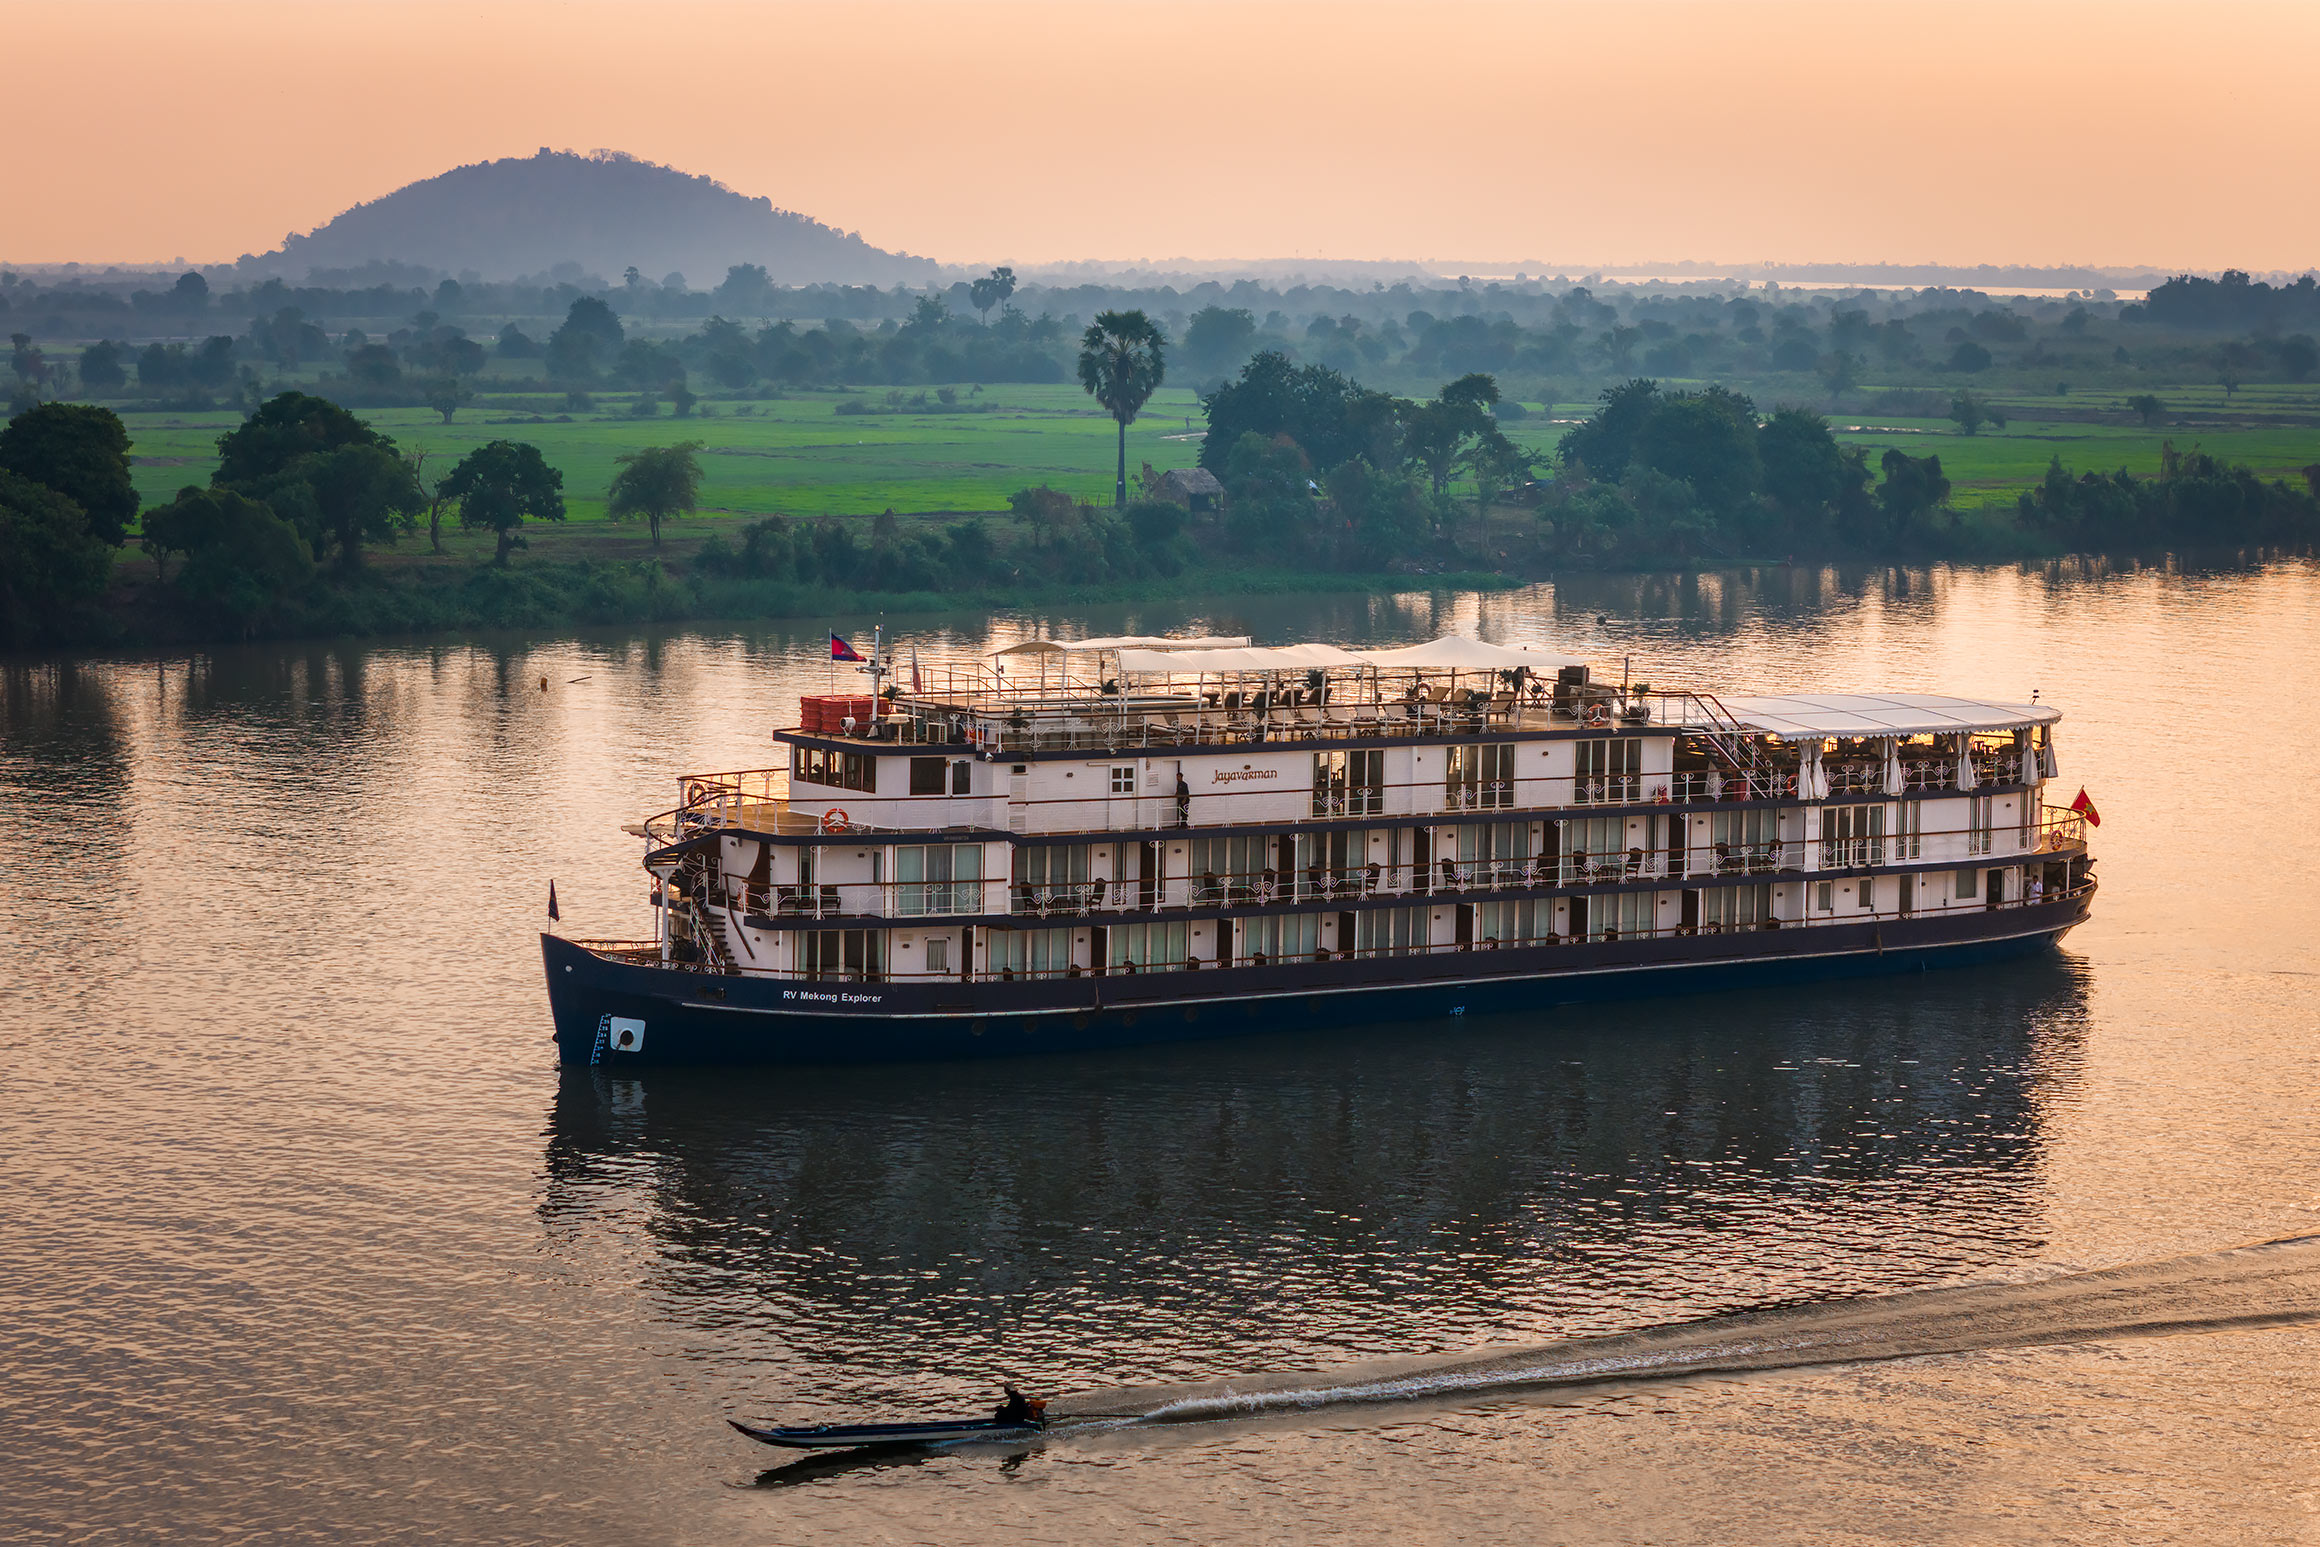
1573, 136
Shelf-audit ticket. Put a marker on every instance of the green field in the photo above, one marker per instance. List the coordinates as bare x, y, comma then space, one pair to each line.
792, 456
796, 456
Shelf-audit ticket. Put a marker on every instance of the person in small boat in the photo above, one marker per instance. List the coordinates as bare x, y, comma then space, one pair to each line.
1018, 1409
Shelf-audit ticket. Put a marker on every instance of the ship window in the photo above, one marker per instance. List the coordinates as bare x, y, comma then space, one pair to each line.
962, 777
938, 953
1590, 843
1146, 947
1228, 869
1050, 877
1979, 823
1478, 776
1283, 937
1735, 907
1349, 783
928, 776
938, 878
849, 955
1030, 953
1390, 932
1825, 897
1909, 842
845, 770
1968, 883
1510, 923
1124, 781
1609, 772
1852, 836
1499, 851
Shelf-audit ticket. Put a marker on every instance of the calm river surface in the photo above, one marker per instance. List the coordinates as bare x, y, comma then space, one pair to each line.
304, 1236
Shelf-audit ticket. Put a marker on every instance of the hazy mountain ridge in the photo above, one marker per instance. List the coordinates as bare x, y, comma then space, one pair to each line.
604, 212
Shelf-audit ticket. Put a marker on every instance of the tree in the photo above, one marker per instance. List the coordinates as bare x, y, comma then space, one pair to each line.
1216, 339
658, 483
190, 293
993, 289
446, 395
82, 452
1913, 489
50, 562
375, 366
590, 333
499, 484
241, 559
102, 370
1804, 467
1605, 443
1967, 412
1122, 358
2147, 408
1969, 356
362, 493
1331, 417
288, 426
2299, 357
1707, 439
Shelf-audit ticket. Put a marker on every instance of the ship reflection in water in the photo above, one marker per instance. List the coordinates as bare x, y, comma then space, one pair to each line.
845, 1240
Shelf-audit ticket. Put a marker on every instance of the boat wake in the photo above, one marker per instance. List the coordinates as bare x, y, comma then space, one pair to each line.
2273, 1283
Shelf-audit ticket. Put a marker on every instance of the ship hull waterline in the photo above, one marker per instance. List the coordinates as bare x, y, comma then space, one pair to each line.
614, 1014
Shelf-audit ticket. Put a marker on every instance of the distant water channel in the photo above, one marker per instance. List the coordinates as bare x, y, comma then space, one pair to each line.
305, 1237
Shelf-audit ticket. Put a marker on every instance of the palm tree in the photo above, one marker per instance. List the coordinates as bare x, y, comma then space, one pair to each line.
1121, 361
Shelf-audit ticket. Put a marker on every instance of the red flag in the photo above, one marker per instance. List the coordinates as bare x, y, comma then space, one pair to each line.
914, 685
842, 651
553, 911
2085, 808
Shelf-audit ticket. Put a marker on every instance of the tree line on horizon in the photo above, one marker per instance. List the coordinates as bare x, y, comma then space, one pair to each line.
436, 347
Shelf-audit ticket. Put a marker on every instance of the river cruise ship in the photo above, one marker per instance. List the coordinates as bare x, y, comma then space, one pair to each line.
1118, 841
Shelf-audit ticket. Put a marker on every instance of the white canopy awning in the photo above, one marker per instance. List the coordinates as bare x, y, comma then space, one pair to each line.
1123, 642
1262, 658
1812, 716
1455, 652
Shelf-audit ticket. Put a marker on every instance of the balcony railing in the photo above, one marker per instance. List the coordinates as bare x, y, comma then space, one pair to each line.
1541, 934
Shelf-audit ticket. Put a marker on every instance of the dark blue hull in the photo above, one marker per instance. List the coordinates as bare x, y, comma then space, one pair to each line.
618, 1014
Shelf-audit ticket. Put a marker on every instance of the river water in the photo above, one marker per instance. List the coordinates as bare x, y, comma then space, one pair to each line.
305, 1236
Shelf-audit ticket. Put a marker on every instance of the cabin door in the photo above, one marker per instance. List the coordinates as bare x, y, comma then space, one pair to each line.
1579, 918
1019, 799
1422, 860
1907, 902
1148, 876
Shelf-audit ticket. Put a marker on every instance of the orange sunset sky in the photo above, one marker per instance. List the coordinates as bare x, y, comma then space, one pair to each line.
2036, 131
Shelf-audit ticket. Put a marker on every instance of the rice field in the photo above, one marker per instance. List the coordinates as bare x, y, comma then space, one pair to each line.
797, 456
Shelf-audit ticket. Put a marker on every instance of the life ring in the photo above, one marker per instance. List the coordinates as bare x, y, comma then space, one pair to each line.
695, 792
1598, 714
834, 820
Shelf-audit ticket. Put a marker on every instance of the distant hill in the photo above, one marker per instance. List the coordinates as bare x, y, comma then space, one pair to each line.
605, 212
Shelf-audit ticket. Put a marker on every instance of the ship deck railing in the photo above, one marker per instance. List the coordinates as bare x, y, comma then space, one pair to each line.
2058, 834
760, 800
1509, 928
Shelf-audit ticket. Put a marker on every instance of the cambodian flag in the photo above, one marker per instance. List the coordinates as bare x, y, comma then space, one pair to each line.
842, 651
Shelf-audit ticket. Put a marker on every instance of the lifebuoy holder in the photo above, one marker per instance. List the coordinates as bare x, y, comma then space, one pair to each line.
834, 820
